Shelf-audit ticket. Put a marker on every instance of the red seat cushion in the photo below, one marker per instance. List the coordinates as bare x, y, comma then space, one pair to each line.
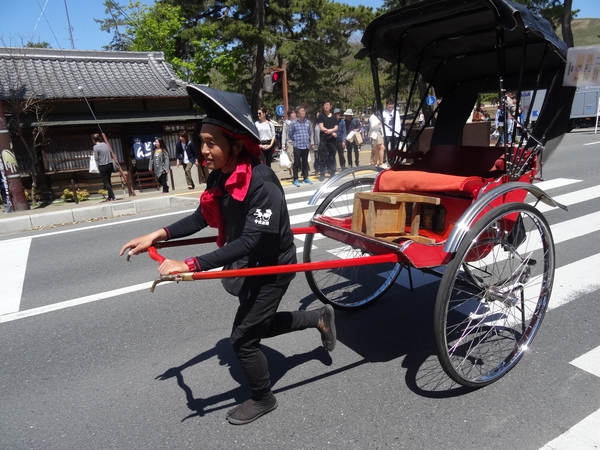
416, 180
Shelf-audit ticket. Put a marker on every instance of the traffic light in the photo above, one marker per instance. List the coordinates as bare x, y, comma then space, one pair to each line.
276, 80
267, 83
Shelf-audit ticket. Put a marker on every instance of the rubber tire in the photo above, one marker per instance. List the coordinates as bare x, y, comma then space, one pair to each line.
352, 287
505, 298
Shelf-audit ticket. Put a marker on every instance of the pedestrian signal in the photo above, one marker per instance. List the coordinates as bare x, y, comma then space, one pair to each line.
276, 80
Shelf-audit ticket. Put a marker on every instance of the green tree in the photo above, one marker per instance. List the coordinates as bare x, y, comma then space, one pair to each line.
42, 44
310, 36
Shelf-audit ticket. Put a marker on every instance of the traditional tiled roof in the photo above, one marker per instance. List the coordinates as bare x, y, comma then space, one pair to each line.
58, 74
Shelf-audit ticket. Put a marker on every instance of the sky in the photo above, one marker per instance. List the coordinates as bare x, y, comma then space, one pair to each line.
21, 21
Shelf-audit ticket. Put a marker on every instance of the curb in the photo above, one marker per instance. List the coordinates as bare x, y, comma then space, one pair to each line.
109, 210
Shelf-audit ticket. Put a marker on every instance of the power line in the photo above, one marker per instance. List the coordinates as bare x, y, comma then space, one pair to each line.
46, 19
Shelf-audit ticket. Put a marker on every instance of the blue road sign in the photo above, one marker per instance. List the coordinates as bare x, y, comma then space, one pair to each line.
430, 100
280, 110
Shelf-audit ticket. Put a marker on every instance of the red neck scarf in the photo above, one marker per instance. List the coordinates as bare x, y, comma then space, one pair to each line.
237, 185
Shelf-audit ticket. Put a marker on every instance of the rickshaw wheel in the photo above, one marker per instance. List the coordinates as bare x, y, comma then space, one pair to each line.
350, 287
494, 294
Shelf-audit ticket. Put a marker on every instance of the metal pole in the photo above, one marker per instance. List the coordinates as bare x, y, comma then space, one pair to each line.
284, 90
597, 111
123, 176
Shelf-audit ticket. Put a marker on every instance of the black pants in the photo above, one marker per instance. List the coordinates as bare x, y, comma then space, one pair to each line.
352, 147
301, 162
163, 182
326, 156
106, 172
340, 151
267, 155
257, 318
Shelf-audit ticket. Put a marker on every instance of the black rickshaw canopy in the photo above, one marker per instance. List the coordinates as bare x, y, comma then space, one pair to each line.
463, 48
455, 41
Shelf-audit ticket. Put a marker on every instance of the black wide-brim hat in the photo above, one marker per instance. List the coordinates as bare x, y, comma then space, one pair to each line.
228, 107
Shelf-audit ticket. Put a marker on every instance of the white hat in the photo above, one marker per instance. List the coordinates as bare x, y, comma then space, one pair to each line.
349, 112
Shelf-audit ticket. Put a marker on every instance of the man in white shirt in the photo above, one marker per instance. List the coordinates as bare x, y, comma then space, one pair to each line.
393, 132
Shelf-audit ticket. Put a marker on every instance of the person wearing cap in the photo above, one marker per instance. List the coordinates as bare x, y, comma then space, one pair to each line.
351, 124
244, 200
340, 138
328, 125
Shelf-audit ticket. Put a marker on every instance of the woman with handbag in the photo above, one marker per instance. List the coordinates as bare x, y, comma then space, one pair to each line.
159, 163
103, 158
266, 132
244, 200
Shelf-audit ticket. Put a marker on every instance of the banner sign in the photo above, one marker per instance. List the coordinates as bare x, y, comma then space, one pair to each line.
142, 146
583, 66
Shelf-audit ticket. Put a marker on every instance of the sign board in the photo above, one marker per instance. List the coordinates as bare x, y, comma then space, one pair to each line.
583, 66
280, 110
174, 128
430, 100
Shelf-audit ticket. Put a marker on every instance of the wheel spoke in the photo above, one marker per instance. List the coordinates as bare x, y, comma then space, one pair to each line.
494, 294
348, 287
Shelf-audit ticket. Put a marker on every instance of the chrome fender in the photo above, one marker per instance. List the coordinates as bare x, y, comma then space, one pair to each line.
468, 218
350, 171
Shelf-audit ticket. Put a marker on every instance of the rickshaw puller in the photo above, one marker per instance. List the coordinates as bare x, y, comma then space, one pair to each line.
245, 201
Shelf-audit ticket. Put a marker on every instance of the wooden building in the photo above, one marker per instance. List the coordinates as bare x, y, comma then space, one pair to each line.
126, 95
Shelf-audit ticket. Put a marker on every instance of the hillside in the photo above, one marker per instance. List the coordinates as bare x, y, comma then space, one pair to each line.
585, 31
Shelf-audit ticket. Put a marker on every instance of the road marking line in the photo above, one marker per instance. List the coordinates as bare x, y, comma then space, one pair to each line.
592, 143
575, 280
75, 302
590, 362
573, 198
585, 434
13, 265
556, 183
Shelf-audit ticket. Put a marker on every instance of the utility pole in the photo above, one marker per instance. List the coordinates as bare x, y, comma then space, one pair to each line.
14, 184
284, 91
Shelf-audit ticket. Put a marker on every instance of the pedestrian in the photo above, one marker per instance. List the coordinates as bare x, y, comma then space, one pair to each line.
245, 201
479, 114
103, 157
301, 134
159, 163
266, 131
186, 153
340, 138
392, 127
327, 126
317, 137
287, 143
501, 122
351, 124
376, 135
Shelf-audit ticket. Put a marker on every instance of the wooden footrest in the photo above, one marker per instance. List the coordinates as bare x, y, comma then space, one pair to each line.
383, 215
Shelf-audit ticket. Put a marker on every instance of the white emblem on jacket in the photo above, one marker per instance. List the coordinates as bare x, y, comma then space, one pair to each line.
262, 218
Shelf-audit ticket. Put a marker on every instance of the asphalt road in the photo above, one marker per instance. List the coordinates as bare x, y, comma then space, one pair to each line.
90, 359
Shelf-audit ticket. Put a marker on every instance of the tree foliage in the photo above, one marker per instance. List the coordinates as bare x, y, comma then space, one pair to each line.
229, 44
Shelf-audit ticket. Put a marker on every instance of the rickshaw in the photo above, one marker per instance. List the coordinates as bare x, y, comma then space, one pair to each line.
451, 205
